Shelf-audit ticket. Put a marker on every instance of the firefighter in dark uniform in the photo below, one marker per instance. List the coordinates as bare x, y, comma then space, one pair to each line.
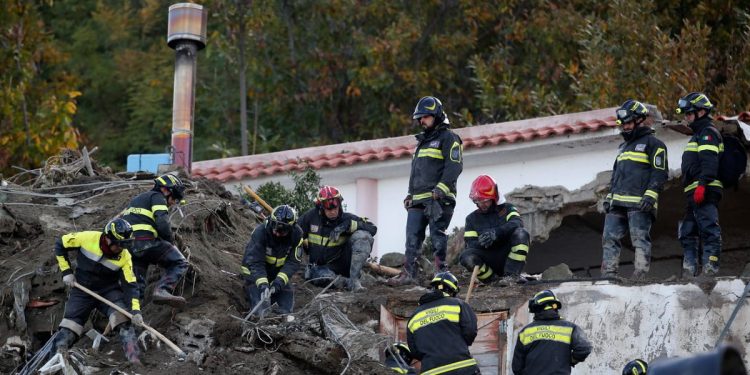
703, 190
636, 367
148, 213
398, 358
638, 176
441, 330
435, 168
495, 239
104, 265
549, 344
337, 242
271, 258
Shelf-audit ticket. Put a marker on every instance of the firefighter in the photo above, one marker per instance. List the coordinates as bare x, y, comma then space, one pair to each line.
435, 168
104, 265
549, 344
398, 358
636, 367
494, 237
441, 330
703, 190
338, 242
271, 258
638, 176
148, 213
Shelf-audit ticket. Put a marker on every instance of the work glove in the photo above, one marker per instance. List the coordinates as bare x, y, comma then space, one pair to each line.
437, 194
607, 206
277, 285
69, 280
339, 230
647, 204
265, 292
486, 239
699, 195
433, 210
137, 319
407, 202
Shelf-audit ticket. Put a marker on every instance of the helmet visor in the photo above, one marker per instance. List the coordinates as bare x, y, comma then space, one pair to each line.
330, 204
623, 116
281, 227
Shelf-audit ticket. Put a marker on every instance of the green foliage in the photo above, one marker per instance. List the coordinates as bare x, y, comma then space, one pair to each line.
301, 196
320, 72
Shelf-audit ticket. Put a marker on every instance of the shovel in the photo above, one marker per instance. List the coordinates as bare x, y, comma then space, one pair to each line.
122, 311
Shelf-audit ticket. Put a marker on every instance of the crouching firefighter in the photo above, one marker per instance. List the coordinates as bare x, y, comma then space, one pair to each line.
494, 236
154, 243
398, 358
549, 344
441, 330
271, 258
338, 242
104, 265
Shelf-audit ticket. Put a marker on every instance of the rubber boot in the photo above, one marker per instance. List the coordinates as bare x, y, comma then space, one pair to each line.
64, 339
408, 276
711, 268
360, 253
130, 344
163, 297
440, 265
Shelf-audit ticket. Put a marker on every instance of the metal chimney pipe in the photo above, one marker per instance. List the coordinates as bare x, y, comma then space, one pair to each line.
186, 34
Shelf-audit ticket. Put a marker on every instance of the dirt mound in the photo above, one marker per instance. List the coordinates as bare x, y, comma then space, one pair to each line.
211, 230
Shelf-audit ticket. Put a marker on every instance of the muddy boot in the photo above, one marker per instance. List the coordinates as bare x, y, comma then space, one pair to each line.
440, 265
711, 268
688, 273
130, 344
361, 243
403, 278
354, 285
163, 297
609, 275
638, 275
64, 339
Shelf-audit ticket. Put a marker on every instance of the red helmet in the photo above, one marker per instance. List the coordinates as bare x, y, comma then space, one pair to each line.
484, 187
329, 197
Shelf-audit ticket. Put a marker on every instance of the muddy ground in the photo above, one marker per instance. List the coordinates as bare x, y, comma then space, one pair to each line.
212, 230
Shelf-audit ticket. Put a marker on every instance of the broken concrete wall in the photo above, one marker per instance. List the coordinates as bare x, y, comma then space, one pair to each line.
649, 322
567, 227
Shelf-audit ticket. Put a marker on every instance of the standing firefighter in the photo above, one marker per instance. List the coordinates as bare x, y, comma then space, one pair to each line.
703, 190
104, 266
435, 168
149, 214
549, 344
271, 258
495, 239
338, 243
638, 176
441, 330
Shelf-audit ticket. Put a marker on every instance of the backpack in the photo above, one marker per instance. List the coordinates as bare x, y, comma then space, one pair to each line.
733, 161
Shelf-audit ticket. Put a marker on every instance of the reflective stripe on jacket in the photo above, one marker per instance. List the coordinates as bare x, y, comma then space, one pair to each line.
316, 228
94, 270
268, 257
437, 163
148, 213
640, 170
503, 220
700, 160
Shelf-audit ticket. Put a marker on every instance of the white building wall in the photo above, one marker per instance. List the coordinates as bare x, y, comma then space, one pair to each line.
648, 322
569, 161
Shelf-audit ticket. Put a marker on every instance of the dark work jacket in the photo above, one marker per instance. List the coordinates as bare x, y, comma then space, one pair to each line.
268, 257
503, 219
437, 163
148, 213
316, 229
639, 170
700, 161
439, 334
94, 270
549, 346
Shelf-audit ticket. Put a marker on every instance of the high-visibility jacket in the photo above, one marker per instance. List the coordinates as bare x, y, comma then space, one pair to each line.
268, 257
437, 163
439, 334
700, 160
640, 169
549, 346
94, 270
148, 213
504, 220
316, 228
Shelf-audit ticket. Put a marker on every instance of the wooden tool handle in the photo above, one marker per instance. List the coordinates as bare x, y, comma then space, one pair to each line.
474, 274
130, 316
257, 198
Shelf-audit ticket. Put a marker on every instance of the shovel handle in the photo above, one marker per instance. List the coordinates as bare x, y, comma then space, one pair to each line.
130, 316
474, 274
257, 198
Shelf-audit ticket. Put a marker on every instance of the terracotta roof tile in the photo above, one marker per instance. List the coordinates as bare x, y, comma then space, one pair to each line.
352, 153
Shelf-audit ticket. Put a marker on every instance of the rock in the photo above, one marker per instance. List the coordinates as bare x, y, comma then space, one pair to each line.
558, 272
393, 259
